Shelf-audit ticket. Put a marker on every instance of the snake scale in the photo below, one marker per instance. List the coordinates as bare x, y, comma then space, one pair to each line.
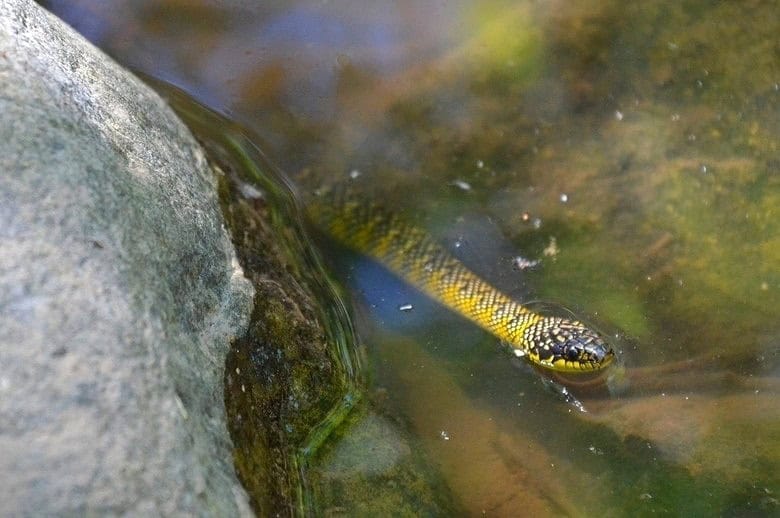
551, 342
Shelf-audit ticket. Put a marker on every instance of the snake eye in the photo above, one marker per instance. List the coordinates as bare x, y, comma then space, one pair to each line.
572, 353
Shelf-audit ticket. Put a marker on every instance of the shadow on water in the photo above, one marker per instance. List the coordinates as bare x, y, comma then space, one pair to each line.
619, 158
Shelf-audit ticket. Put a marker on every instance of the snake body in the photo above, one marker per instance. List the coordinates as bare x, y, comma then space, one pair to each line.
408, 251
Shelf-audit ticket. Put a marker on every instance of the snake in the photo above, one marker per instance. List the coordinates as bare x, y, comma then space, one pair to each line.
552, 342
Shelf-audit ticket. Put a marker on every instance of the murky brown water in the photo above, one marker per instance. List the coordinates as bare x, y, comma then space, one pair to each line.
631, 148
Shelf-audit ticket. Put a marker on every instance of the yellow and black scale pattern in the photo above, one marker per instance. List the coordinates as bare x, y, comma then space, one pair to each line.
409, 252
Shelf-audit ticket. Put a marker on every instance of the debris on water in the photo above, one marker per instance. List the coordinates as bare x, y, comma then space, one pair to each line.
250, 192
645, 496
354, 174
444, 435
564, 197
570, 398
521, 263
462, 185
595, 451
480, 164
703, 168
405, 307
537, 223
618, 115
551, 250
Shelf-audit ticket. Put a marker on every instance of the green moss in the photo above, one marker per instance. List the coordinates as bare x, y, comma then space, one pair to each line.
282, 377
294, 365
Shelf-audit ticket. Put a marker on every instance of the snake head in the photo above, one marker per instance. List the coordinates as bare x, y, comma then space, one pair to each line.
567, 345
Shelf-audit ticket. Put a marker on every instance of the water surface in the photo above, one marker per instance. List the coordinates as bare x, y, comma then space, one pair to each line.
631, 149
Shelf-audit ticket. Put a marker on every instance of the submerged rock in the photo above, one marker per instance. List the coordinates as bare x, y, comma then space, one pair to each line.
119, 290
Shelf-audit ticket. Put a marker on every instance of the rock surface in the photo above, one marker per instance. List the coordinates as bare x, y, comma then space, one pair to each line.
119, 290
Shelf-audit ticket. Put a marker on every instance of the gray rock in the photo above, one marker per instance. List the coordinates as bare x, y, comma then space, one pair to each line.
119, 290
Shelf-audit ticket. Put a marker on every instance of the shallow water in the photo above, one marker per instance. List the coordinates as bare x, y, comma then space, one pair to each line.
631, 149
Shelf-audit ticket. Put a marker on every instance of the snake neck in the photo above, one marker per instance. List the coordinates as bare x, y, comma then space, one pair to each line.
551, 342
413, 255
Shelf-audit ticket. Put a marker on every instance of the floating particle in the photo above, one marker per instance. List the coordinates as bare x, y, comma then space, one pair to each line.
462, 185
564, 197
354, 174
521, 263
444, 435
551, 250
618, 115
250, 192
405, 307
595, 451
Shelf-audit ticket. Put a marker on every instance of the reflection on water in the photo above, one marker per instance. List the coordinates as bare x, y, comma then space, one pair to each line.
630, 148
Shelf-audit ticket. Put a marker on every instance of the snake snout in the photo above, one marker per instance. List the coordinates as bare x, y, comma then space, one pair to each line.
589, 348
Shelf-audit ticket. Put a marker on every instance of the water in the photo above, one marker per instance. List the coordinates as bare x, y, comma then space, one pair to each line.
631, 149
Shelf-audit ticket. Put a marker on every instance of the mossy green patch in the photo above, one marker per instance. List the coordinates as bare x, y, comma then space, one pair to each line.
296, 362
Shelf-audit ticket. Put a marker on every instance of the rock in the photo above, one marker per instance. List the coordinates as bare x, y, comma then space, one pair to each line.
119, 290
